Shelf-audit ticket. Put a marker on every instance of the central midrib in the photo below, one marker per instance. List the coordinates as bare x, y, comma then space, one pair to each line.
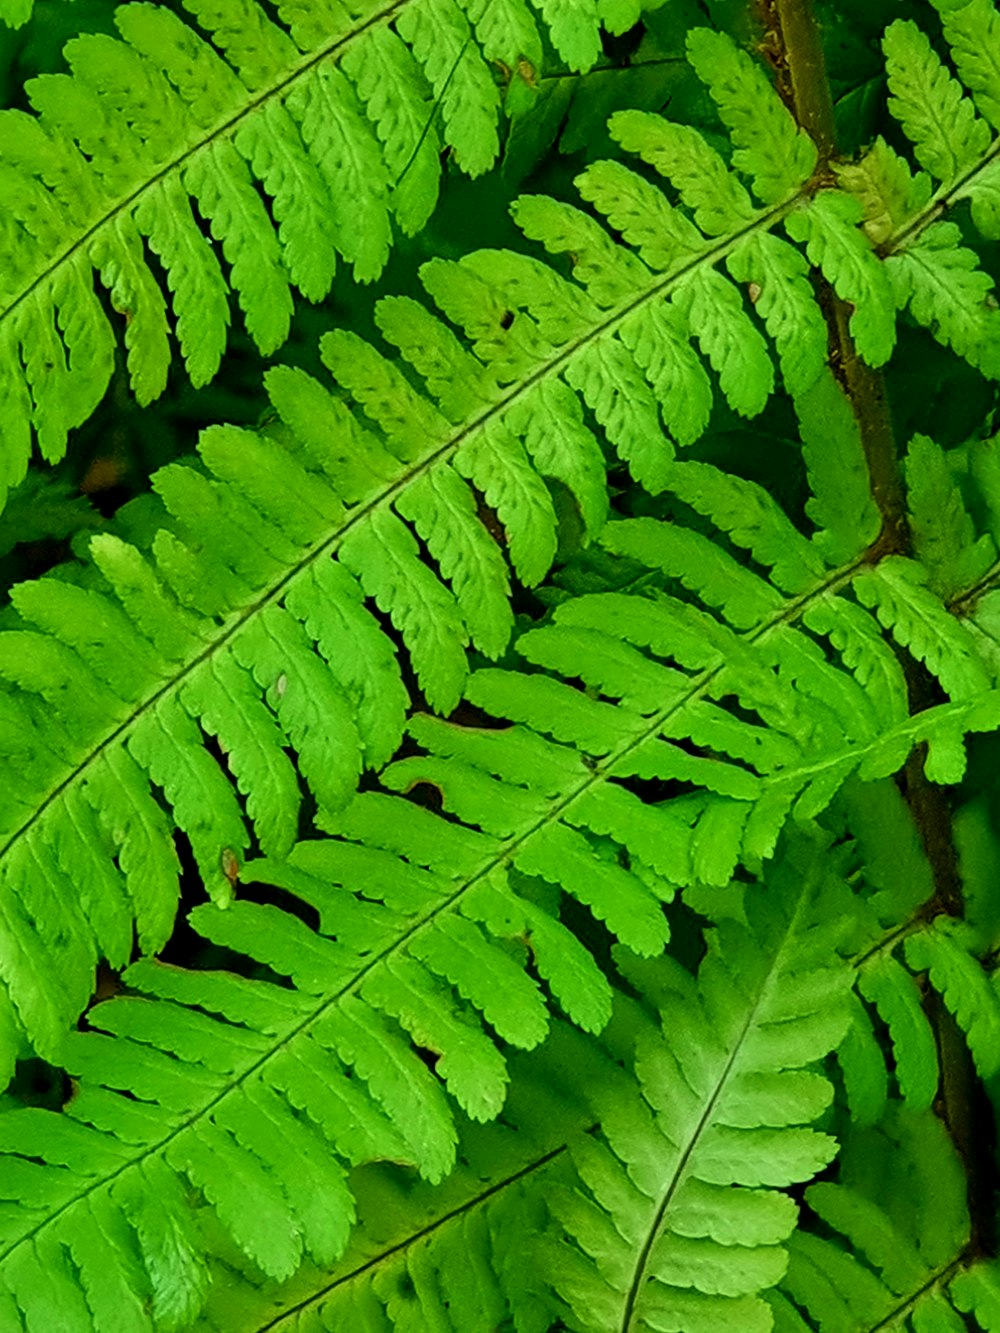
677, 1176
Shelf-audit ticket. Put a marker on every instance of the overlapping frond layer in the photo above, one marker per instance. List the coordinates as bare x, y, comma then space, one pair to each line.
324, 118
400, 1270
234, 658
906, 947
236, 625
678, 1222
197, 1088
754, 698
245, 151
203, 1087
754, 702
894, 1253
616, 337
952, 123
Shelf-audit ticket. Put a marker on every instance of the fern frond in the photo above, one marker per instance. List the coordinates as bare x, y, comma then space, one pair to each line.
235, 623
328, 113
906, 948
231, 624
944, 535
623, 347
943, 951
770, 147
973, 34
400, 1265
894, 993
932, 273
896, 1234
209, 1083
947, 136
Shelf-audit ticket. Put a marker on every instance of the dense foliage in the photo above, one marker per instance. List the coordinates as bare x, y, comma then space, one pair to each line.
499, 666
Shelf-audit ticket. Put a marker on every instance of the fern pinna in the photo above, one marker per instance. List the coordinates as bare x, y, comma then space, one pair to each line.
483, 848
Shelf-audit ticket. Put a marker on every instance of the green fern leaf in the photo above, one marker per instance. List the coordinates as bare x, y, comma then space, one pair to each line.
326, 112
973, 35
234, 623
684, 1188
826, 226
943, 531
313, 132
932, 273
941, 284
718, 201
964, 986
862, 1064
897, 1227
947, 135
399, 1269
897, 592
770, 148
886, 983
777, 277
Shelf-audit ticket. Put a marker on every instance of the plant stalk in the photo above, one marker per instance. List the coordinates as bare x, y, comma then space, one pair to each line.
793, 45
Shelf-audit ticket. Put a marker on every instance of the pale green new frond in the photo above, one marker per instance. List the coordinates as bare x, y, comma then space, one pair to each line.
887, 189
679, 1221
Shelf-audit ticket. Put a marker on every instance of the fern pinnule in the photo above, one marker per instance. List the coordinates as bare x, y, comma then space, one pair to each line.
15, 13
